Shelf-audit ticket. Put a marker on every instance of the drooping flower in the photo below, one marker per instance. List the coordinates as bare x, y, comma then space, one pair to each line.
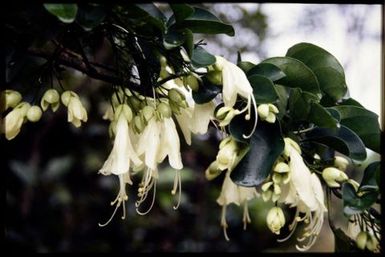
232, 193
76, 111
304, 191
14, 120
267, 112
235, 83
50, 98
122, 154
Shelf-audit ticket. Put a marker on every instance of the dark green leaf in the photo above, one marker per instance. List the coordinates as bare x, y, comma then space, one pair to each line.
173, 38
202, 21
353, 203
239, 126
363, 122
201, 58
268, 70
91, 15
206, 92
188, 41
350, 101
245, 66
282, 100
336, 115
369, 181
341, 139
65, 12
266, 144
321, 117
329, 71
154, 11
181, 11
300, 103
297, 74
263, 89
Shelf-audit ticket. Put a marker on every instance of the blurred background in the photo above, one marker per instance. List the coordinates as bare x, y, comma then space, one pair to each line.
55, 198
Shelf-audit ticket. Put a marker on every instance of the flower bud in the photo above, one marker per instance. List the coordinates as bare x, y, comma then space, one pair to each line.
50, 97
361, 240
341, 163
332, 176
14, 120
215, 77
147, 113
265, 187
266, 195
212, 171
138, 124
134, 102
288, 144
34, 113
263, 111
227, 154
225, 114
125, 110
9, 98
281, 167
371, 243
192, 82
275, 219
164, 110
271, 118
175, 96
66, 97
273, 109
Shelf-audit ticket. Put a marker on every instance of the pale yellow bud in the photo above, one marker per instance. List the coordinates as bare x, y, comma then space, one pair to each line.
275, 220
66, 97
164, 110
138, 124
361, 240
273, 109
341, 163
125, 110
50, 98
266, 186
212, 171
263, 111
266, 195
372, 243
332, 176
14, 120
134, 102
281, 167
175, 96
215, 77
147, 112
9, 99
288, 144
192, 82
271, 118
34, 113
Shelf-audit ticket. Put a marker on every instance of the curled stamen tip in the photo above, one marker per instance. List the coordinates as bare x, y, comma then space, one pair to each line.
173, 192
247, 117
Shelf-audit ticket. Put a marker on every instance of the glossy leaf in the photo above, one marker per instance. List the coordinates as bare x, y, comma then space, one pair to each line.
245, 66
188, 41
353, 203
64, 12
181, 11
263, 89
91, 15
329, 71
173, 38
206, 92
201, 58
300, 103
202, 21
350, 101
266, 144
297, 74
268, 70
369, 180
321, 117
363, 122
282, 93
239, 126
341, 139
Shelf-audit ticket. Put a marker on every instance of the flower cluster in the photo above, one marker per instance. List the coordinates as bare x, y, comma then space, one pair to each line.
23, 111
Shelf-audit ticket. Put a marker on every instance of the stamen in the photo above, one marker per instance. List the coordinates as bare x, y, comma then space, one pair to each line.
177, 178
224, 223
292, 229
113, 214
152, 202
256, 119
246, 216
